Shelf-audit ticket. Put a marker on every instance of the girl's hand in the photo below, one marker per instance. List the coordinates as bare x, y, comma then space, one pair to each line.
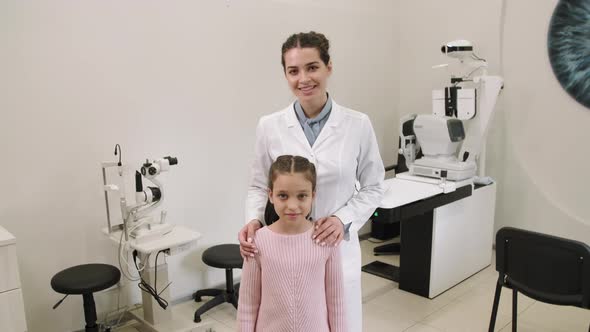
328, 231
246, 237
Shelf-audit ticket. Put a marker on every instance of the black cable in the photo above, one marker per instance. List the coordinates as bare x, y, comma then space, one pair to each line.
120, 153
156, 275
146, 287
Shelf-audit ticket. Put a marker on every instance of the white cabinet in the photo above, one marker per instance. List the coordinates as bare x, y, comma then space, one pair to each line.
462, 239
12, 310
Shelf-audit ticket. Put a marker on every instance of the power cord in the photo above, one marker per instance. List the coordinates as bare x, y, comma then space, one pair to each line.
146, 287
108, 324
121, 257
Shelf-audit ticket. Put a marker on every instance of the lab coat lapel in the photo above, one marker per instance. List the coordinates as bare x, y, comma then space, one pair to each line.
294, 127
331, 125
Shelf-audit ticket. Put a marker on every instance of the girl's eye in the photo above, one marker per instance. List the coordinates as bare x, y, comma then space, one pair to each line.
302, 196
292, 72
282, 196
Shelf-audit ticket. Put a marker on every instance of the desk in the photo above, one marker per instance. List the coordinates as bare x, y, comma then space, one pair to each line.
152, 316
445, 237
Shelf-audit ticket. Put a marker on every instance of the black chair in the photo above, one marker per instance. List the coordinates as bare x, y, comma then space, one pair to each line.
543, 267
223, 256
270, 215
85, 280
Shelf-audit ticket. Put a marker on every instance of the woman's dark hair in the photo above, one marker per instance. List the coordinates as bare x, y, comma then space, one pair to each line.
307, 39
288, 164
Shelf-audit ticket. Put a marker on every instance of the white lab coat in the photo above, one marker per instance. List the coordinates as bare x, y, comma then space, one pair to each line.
345, 155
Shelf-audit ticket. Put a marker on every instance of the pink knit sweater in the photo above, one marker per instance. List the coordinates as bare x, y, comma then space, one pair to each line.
292, 285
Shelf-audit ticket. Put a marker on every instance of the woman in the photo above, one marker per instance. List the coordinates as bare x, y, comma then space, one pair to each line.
342, 145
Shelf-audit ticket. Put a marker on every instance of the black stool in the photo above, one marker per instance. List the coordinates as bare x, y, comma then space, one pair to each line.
223, 256
85, 280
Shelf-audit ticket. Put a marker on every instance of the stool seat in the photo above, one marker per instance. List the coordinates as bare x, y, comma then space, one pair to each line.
85, 279
223, 256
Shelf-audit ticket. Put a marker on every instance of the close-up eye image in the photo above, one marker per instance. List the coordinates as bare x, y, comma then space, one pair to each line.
569, 47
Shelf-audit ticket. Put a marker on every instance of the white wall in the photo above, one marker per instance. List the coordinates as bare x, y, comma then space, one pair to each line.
537, 145
182, 78
544, 136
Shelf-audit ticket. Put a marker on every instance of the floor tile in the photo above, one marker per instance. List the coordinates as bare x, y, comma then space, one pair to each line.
379, 319
472, 310
408, 305
226, 313
464, 316
232, 325
373, 286
525, 327
422, 328
555, 317
487, 276
219, 328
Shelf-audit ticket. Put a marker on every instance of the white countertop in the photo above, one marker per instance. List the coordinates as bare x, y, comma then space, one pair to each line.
401, 192
178, 237
405, 189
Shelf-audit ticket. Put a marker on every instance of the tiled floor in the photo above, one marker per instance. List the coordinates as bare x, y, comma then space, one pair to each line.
465, 307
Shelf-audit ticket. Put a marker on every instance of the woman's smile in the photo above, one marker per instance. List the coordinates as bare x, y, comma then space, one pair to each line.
307, 90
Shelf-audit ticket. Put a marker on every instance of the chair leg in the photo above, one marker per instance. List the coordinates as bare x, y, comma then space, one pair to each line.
229, 280
90, 313
219, 299
230, 295
514, 308
234, 300
496, 302
206, 292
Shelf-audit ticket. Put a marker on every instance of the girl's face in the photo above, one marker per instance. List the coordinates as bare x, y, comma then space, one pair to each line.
292, 196
306, 74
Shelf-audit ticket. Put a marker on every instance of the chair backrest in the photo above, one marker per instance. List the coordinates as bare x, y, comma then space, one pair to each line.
544, 267
270, 215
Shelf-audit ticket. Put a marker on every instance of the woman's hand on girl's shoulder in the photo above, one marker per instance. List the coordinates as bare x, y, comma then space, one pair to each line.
328, 231
246, 238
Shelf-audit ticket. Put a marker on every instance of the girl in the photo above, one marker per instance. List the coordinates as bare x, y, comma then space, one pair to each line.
341, 144
292, 284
